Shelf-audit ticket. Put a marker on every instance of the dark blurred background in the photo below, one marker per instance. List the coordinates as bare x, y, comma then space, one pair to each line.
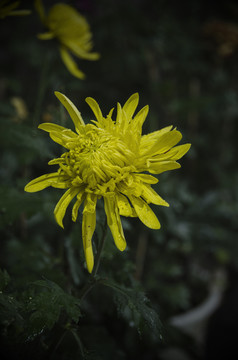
179, 285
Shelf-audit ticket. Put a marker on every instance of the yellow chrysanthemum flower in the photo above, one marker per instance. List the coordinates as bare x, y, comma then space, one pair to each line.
72, 31
109, 159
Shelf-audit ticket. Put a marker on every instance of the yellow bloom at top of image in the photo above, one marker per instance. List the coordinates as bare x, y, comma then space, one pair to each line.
72, 31
109, 159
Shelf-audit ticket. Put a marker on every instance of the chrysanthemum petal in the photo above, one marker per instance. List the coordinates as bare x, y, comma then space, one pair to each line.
131, 105
11, 9
78, 202
174, 153
88, 227
114, 222
90, 203
46, 36
151, 196
110, 113
49, 127
42, 182
108, 123
56, 161
180, 151
147, 141
122, 121
57, 138
40, 9
58, 133
95, 108
144, 212
62, 205
63, 138
61, 11
140, 117
70, 63
61, 185
124, 206
158, 167
72, 110
146, 178
80, 50
164, 143
119, 114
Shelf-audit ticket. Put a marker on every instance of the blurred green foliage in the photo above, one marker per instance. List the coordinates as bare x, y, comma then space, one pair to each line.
49, 306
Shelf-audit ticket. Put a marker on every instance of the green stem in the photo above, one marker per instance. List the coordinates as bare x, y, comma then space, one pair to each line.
77, 339
58, 344
87, 287
41, 89
93, 280
100, 249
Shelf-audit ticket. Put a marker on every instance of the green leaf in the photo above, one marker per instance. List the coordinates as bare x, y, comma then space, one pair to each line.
132, 303
47, 305
23, 140
10, 311
14, 201
4, 279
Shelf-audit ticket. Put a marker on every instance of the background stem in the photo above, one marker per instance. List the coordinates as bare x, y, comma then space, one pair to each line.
87, 287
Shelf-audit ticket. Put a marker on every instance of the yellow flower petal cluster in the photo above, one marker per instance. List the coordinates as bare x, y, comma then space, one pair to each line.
72, 31
109, 159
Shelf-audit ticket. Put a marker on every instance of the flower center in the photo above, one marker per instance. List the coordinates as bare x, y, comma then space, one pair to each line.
97, 159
